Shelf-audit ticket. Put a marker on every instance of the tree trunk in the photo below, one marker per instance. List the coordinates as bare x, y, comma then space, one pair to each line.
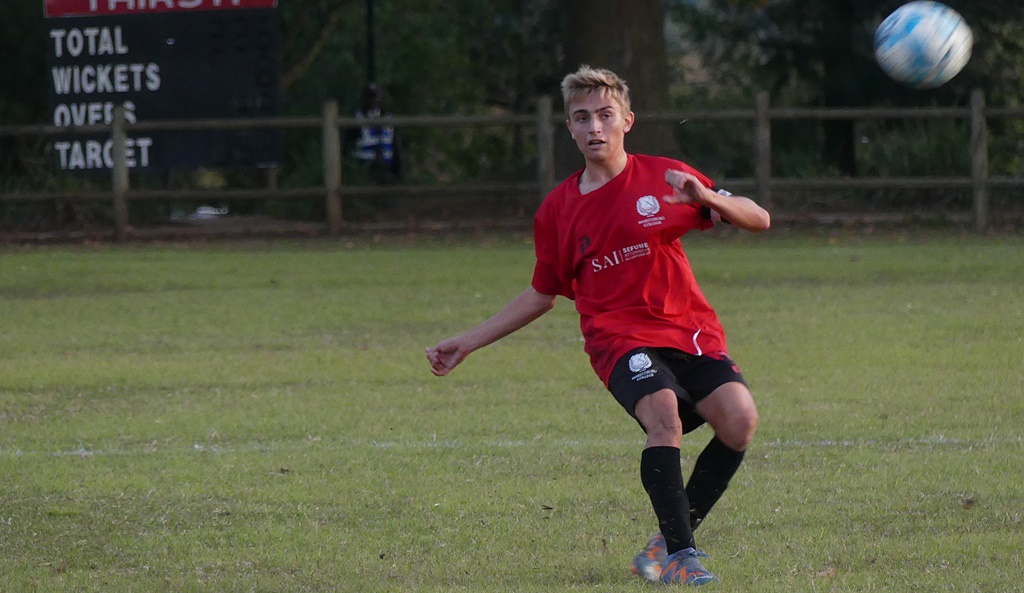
627, 37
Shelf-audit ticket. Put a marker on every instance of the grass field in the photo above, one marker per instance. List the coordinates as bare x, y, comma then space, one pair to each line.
260, 417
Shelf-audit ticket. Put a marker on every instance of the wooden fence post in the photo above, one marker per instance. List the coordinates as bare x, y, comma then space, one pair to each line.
979, 159
545, 146
332, 166
119, 170
762, 150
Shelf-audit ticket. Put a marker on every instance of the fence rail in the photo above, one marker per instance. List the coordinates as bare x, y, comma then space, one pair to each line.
545, 122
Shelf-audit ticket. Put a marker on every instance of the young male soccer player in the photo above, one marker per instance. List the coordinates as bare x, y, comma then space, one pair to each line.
604, 239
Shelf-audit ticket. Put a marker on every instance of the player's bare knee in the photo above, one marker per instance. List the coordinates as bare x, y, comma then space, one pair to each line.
663, 423
664, 428
739, 431
658, 413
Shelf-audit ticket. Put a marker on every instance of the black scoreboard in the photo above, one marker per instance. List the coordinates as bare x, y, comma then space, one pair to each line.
164, 60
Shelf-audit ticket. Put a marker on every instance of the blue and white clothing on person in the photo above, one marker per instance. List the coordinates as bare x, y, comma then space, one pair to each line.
376, 142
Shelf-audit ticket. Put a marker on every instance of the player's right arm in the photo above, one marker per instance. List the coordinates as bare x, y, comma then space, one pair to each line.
519, 312
741, 212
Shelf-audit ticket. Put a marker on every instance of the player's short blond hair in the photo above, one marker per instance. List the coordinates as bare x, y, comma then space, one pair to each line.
588, 80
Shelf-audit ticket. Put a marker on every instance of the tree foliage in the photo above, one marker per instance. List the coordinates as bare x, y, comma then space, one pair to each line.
486, 56
820, 53
448, 56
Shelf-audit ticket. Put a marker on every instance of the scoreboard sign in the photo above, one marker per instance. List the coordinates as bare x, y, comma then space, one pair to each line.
163, 60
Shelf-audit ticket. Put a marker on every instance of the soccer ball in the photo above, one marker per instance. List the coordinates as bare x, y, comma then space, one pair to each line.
923, 44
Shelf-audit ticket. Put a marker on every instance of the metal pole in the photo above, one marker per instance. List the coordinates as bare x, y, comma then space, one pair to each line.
371, 45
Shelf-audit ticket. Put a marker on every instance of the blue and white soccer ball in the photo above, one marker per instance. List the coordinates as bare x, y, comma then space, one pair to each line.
923, 44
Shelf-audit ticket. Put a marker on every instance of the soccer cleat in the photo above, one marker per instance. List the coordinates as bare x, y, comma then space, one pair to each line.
649, 562
684, 568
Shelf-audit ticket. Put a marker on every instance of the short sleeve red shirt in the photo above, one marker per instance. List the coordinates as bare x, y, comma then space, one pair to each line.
616, 252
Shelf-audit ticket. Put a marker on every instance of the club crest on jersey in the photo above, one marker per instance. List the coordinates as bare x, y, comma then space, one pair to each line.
648, 207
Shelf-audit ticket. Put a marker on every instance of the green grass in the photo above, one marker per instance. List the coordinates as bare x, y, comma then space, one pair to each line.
260, 417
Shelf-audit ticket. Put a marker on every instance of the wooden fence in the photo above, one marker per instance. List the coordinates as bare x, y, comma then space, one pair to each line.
545, 121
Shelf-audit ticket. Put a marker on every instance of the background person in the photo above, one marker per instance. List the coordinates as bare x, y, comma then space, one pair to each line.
374, 144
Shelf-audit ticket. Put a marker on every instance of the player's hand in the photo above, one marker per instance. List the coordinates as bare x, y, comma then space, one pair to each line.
445, 356
686, 188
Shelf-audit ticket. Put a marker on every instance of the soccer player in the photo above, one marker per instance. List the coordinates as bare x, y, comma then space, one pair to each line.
608, 238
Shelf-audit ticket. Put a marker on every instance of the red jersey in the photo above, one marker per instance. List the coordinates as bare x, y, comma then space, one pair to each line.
616, 252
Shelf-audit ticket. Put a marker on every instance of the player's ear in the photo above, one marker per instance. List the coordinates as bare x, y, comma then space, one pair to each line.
629, 118
568, 126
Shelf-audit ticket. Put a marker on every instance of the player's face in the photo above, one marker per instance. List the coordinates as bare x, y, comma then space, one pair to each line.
598, 124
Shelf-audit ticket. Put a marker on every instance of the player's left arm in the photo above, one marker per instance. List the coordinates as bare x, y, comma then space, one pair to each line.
738, 211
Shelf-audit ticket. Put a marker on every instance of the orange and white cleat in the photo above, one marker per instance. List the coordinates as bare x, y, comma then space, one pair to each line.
684, 568
649, 562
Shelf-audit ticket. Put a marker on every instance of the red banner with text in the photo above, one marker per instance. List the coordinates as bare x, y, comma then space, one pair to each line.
75, 8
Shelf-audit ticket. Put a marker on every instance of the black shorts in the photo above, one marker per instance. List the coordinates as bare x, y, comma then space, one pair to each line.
642, 371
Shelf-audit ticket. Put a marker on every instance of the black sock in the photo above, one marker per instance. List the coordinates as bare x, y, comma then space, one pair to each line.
715, 466
662, 477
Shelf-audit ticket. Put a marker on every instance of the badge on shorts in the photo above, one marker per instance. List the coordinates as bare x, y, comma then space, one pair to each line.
639, 362
640, 365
